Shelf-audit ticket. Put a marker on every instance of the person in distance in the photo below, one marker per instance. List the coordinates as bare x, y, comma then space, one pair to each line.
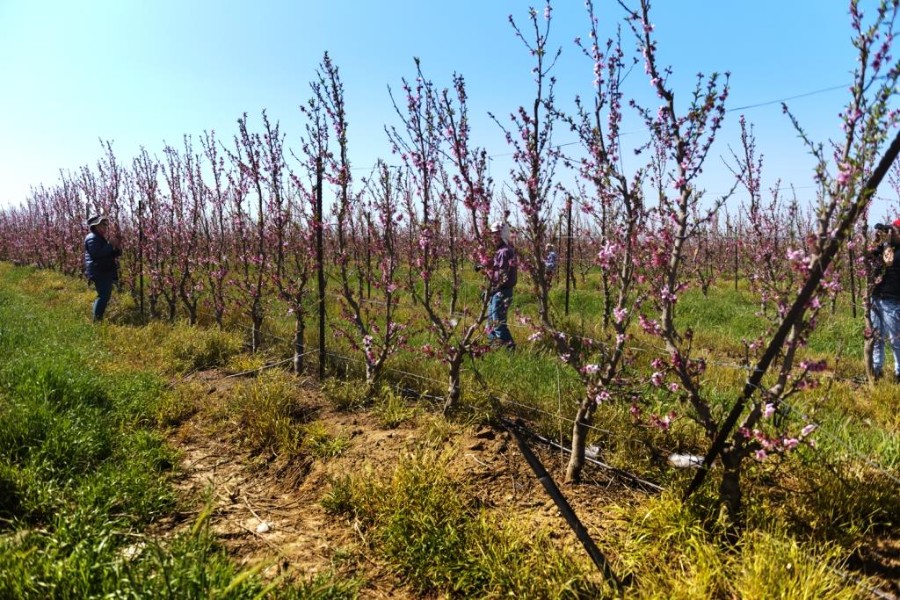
550, 263
503, 275
100, 253
883, 266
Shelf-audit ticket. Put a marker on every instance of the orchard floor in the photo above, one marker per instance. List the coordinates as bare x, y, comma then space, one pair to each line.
265, 509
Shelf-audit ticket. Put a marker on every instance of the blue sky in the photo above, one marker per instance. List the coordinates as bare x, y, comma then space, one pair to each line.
142, 73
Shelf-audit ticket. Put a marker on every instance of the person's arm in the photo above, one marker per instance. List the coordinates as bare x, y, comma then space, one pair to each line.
98, 247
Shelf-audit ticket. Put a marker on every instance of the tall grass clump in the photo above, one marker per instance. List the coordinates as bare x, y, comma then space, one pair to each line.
194, 348
679, 551
269, 415
440, 541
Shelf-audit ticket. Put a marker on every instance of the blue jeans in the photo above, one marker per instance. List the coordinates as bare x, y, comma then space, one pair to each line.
886, 321
497, 311
104, 287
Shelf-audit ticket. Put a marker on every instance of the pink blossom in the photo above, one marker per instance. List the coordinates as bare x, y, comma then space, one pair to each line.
674, 387
845, 172
662, 423
602, 397
769, 410
761, 455
657, 379
649, 325
619, 314
606, 254
808, 430
795, 255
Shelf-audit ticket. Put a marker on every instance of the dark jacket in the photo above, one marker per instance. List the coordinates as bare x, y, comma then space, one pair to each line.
504, 272
100, 258
885, 279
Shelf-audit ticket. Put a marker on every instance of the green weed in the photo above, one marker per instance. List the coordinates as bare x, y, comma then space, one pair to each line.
391, 409
320, 443
269, 414
426, 524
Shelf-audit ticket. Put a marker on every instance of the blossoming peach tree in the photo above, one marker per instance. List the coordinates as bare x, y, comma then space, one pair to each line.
452, 212
861, 161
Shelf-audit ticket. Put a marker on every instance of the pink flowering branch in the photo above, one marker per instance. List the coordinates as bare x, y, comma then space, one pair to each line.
845, 200
530, 135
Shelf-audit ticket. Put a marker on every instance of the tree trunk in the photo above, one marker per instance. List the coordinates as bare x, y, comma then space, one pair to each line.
299, 347
579, 440
454, 388
868, 348
154, 306
256, 331
730, 488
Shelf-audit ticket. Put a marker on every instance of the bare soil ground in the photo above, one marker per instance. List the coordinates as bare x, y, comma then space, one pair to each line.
264, 509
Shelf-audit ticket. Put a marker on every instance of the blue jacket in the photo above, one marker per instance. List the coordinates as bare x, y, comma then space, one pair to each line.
100, 258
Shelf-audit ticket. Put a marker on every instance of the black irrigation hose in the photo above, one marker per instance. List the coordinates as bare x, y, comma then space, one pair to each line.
562, 504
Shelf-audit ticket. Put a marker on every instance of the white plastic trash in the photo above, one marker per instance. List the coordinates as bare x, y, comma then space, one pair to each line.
264, 527
686, 461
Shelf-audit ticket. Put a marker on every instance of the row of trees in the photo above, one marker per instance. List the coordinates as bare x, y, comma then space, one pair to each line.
227, 226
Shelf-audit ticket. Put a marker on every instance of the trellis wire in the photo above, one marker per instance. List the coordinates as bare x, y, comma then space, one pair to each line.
875, 465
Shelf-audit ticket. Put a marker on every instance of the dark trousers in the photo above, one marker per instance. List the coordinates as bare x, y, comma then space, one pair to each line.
104, 287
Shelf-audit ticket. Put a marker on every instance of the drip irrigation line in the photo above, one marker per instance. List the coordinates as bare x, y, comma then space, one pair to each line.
386, 369
656, 351
849, 449
550, 414
402, 390
617, 471
874, 591
264, 367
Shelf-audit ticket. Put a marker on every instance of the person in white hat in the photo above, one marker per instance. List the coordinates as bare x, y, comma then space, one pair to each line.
503, 276
100, 263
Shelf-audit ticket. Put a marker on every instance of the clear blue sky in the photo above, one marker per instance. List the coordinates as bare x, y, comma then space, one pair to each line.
141, 73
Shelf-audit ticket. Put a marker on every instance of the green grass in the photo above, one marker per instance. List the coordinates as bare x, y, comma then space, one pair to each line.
814, 506
83, 471
424, 523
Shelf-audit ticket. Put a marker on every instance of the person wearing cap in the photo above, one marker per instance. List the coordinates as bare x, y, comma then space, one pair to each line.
100, 266
883, 265
503, 276
550, 263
